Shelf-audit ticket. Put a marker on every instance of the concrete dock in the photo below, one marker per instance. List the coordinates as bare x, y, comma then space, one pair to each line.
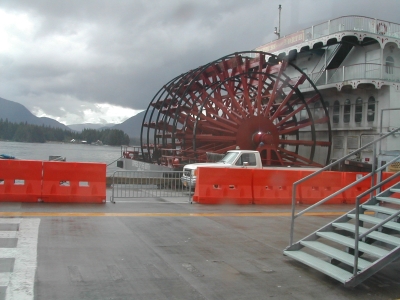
165, 248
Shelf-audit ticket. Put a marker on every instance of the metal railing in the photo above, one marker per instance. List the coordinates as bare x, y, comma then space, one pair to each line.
354, 23
148, 184
367, 71
346, 23
370, 175
373, 228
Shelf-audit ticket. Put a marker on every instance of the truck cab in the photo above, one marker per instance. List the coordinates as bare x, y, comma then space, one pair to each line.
232, 159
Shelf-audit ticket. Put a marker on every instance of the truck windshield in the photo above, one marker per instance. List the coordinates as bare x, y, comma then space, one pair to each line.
229, 158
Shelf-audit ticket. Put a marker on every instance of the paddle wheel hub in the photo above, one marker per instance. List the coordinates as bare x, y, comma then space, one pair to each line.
265, 138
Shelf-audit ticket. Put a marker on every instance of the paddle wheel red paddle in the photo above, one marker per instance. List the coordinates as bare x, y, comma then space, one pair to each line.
247, 100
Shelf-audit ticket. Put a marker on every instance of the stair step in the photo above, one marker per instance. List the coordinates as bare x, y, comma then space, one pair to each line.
376, 235
389, 200
381, 209
349, 242
373, 220
336, 254
394, 190
320, 265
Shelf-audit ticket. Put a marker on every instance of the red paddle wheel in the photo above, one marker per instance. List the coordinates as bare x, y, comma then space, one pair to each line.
246, 100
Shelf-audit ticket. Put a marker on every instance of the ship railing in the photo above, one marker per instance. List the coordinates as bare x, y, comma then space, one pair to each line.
349, 23
355, 23
367, 71
131, 152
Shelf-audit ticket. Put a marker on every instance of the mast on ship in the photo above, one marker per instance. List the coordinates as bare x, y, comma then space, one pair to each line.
278, 30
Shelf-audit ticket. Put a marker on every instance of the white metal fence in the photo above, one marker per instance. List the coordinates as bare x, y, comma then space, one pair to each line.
354, 23
148, 184
353, 72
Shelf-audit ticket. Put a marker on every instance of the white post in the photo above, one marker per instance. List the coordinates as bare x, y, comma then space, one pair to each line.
279, 25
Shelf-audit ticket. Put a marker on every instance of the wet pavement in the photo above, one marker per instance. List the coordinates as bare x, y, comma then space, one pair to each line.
165, 248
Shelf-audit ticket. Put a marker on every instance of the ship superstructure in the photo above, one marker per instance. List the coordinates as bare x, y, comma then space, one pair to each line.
354, 63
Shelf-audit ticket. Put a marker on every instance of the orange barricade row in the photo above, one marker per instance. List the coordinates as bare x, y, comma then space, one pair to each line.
274, 186
223, 186
20, 180
74, 182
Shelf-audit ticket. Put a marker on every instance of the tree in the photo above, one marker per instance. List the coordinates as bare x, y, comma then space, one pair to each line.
24, 132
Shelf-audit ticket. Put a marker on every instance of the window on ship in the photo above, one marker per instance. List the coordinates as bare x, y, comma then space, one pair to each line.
359, 110
371, 109
346, 111
336, 112
389, 65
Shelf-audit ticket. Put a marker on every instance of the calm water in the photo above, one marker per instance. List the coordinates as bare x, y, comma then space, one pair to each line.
72, 152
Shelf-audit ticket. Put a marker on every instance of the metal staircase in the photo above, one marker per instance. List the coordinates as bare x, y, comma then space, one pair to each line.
360, 243
333, 61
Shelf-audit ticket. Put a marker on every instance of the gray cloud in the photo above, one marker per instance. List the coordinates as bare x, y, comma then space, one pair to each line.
76, 53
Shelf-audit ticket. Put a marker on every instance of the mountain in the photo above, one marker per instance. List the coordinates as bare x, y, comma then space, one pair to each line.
132, 126
80, 127
17, 113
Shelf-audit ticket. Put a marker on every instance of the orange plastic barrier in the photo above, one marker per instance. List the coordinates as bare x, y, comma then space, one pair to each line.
274, 186
74, 182
350, 195
223, 186
321, 186
20, 180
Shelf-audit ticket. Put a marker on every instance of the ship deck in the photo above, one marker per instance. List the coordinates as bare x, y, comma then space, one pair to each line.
167, 248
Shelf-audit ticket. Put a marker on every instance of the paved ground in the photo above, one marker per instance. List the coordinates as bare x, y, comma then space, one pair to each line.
164, 248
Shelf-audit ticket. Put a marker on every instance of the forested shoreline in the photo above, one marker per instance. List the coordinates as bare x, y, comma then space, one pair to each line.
23, 132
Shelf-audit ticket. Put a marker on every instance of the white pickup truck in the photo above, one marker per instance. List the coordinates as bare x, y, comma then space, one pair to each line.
232, 159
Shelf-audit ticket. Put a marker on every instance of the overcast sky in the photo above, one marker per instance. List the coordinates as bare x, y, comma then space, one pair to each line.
99, 61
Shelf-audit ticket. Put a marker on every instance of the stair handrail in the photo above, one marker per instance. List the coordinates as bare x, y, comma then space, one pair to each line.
295, 184
373, 228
